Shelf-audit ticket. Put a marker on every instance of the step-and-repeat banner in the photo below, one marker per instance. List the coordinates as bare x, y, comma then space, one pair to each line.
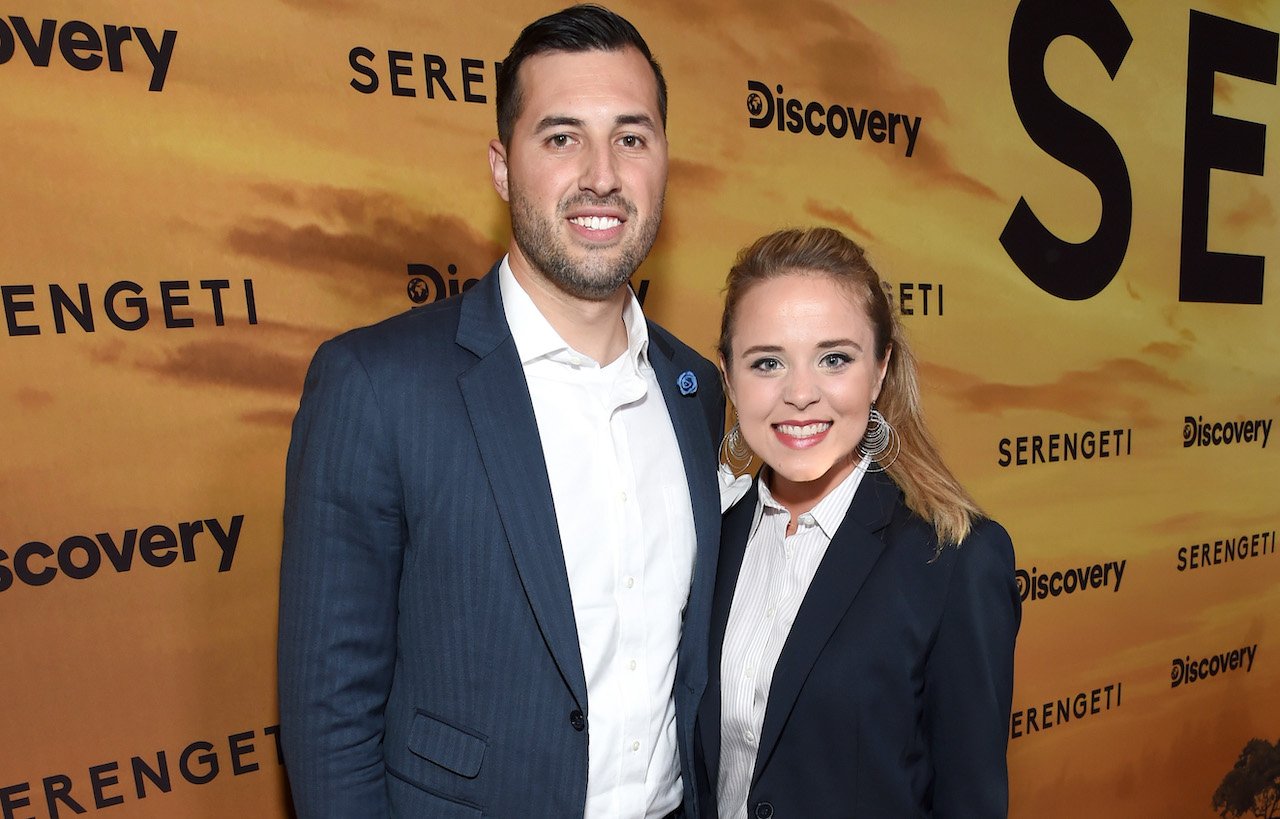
1071, 204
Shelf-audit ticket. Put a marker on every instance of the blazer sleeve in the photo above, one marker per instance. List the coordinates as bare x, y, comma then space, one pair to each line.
969, 678
339, 573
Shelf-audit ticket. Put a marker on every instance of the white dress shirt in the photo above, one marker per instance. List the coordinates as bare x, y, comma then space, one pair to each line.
777, 569
626, 526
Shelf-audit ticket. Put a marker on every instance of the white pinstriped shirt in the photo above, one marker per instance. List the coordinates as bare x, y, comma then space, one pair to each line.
776, 572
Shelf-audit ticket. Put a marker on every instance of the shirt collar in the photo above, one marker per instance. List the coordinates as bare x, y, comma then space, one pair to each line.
829, 512
535, 338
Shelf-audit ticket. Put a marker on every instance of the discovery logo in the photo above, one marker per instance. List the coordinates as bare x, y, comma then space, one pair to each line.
832, 119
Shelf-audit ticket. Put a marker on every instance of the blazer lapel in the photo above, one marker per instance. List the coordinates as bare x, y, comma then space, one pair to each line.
850, 557
506, 432
735, 529
698, 454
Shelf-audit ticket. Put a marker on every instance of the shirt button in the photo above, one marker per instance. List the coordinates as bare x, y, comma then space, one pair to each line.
749, 736
635, 746
789, 551
631, 581
632, 665
622, 496
769, 612
575, 361
749, 672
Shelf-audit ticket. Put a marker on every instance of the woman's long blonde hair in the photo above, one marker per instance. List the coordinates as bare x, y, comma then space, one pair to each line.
931, 491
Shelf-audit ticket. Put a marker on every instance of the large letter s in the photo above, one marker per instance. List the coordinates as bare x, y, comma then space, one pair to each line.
1065, 269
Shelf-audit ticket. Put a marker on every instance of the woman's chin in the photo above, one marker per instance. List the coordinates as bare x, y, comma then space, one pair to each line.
801, 471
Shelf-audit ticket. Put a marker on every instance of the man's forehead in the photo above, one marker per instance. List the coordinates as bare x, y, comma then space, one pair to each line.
553, 75
627, 52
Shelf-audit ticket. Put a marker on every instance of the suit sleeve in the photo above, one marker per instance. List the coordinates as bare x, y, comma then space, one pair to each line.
340, 568
969, 679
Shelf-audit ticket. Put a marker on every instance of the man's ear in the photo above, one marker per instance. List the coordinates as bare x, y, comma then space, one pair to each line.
498, 168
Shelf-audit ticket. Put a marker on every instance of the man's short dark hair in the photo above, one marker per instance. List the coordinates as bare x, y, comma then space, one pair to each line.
585, 27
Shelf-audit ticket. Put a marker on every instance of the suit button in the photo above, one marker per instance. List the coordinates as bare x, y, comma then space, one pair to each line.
577, 720
764, 810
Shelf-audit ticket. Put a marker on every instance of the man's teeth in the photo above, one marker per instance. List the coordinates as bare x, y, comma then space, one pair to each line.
596, 222
805, 431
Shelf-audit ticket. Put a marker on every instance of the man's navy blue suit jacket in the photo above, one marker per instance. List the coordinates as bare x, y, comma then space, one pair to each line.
428, 655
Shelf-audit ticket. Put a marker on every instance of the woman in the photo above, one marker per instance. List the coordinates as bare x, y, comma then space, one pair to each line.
865, 612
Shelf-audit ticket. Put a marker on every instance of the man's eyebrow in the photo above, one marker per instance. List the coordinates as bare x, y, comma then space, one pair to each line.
556, 121
561, 120
636, 119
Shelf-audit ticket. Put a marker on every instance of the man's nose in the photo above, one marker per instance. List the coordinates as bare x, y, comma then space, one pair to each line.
599, 171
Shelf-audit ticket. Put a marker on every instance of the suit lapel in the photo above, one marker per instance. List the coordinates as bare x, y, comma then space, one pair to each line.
735, 530
850, 557
697, 453
506, 432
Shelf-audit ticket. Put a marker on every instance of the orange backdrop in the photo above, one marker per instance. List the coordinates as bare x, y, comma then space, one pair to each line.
196, 195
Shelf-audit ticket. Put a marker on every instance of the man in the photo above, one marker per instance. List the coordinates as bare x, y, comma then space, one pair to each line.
501, 509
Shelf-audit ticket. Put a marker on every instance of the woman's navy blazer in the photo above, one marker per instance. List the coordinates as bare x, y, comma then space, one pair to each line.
891, 697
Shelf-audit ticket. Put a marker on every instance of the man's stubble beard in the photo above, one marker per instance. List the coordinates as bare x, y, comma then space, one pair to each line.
596, 277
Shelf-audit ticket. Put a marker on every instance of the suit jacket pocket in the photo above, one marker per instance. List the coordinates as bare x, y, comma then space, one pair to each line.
447, 745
